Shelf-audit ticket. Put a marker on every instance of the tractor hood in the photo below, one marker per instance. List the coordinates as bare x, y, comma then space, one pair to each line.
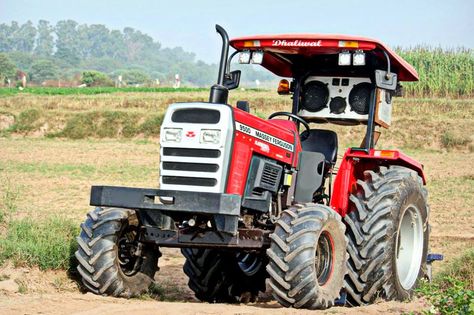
285, 54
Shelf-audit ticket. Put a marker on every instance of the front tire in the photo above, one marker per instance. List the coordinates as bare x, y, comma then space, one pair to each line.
388, 235
107, 254
307, 257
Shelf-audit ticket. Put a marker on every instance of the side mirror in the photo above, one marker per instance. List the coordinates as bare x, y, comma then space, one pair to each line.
232, 80
386, 80
399, 91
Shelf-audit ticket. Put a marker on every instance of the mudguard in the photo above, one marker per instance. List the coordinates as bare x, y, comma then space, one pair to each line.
352, 168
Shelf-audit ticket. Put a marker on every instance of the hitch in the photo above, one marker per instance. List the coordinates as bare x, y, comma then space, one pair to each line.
430, 258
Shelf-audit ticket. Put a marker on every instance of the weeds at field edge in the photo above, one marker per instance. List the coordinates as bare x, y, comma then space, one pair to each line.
48, 243
452, 291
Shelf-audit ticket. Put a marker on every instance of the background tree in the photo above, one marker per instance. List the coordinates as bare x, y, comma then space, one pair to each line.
73, 48
96, 78
42, 70
7, 68
7, 36
45, 41
68, 43
135, 76
24, 37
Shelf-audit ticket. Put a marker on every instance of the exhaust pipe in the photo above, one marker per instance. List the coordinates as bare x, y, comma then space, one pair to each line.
219, 93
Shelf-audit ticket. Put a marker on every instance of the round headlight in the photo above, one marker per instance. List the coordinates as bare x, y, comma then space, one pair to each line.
315, 96
359, 98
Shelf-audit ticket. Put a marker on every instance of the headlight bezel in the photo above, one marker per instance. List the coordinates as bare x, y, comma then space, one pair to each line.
210, 136
172, 135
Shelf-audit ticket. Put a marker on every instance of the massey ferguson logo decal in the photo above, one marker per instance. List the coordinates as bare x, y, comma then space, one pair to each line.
296, 43
263, 136
190, 134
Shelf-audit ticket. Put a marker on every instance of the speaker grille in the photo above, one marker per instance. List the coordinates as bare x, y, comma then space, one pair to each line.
359, 98
315, 96
337, 105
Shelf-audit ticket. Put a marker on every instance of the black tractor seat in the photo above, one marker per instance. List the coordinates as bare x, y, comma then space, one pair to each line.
322, 141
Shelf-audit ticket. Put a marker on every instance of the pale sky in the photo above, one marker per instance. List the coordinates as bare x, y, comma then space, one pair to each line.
190, 24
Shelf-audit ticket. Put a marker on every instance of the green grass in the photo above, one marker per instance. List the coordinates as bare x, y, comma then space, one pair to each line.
91, 90
48, 244
452, 291
461, 268
109, 124
417, 123
9, 194
450, 140
27, 121
74, 171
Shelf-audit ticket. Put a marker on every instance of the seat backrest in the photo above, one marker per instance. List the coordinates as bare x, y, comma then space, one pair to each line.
322, 141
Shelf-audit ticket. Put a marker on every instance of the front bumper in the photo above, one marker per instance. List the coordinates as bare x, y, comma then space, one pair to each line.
225, 208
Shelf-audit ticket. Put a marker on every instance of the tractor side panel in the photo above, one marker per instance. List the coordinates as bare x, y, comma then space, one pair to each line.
353, 166
254, 135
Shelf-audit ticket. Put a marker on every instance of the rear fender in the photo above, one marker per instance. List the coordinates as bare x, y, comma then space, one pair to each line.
353, 166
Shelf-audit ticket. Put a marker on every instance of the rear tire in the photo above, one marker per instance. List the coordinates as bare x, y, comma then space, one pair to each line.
388, 235
224, 277
308, 257
107, 265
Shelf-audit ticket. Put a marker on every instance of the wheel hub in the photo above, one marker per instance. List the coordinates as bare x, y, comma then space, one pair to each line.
128, 246
324, 258
409, 247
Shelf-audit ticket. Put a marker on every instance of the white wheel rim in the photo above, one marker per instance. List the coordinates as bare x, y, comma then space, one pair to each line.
409, 247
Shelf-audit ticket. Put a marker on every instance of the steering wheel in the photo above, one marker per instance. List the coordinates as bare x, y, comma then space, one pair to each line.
304, 134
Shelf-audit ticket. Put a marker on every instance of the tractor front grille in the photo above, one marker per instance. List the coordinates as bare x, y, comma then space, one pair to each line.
192, 162
192, 181
190, 167
197, 153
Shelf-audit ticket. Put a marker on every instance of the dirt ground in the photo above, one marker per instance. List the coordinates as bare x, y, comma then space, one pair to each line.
57, 174
82, 304
52, 293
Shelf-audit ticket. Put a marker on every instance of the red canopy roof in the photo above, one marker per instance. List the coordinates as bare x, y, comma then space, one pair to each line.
311, 44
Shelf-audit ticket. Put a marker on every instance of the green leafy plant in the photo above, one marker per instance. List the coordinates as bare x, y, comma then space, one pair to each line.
449, 296
96, 78
452, 291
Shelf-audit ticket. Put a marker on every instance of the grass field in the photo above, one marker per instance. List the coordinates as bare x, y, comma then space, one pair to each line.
46, 174
418, 123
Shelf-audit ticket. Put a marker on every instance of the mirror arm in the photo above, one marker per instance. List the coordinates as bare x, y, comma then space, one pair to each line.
229, 60
388, 76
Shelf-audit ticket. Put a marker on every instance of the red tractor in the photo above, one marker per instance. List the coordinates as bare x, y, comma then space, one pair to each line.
254, 204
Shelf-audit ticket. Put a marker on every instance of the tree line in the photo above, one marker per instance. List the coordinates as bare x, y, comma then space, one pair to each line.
65, 50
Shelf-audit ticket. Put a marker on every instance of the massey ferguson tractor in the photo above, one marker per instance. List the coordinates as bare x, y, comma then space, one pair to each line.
263, 204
